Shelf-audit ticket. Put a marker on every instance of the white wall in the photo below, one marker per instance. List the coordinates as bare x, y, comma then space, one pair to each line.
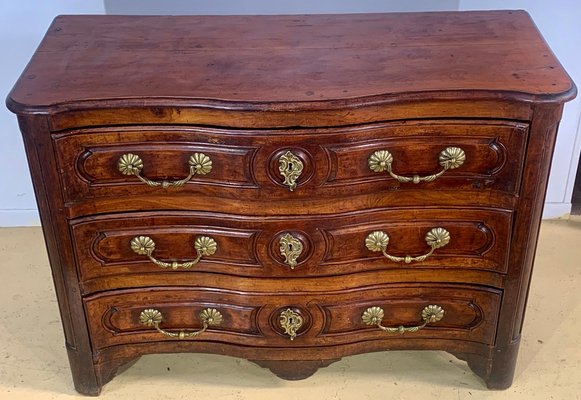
560, 23
214, 7
22, 25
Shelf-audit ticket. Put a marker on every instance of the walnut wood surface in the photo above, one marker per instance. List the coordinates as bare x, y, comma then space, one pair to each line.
296, 370
245, 162
252, 319
427, 105
336, 88
249, 246
288, 59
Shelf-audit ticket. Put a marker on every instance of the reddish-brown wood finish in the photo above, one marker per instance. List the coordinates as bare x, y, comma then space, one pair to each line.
245, 162
249, 246
271, 59
334, 89
252, 319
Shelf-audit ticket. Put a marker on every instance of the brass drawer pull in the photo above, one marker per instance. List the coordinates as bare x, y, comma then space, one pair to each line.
153, 317
450, 158
144, 245
291, 168
435, 238
374, 315
291, 322
131, 164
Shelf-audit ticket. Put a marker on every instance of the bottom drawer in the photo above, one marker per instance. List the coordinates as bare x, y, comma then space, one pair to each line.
458, 312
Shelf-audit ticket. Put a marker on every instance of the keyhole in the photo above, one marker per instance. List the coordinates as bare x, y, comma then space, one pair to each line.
290, 247
290, 166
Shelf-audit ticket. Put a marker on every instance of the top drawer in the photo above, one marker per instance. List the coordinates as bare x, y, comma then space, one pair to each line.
176, 161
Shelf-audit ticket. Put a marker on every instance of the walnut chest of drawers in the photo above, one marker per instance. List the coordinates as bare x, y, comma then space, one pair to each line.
291, 189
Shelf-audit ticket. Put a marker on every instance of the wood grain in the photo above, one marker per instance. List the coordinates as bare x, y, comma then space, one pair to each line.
249, 246
289, 59
245, 162
330, 318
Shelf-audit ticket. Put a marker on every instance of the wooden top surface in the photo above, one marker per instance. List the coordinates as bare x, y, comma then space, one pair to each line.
290, 59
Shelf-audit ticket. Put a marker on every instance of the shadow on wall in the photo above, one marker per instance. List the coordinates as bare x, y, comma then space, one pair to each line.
576, 199
264, 7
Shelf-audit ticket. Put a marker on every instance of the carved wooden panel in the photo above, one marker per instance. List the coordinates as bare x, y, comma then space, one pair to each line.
470, 314
104, 246
116, 316
89, 162
478, 239
486, 157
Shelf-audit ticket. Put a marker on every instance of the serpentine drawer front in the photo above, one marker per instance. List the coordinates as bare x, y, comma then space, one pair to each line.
169, 248
156, 162
291, 189
462, 313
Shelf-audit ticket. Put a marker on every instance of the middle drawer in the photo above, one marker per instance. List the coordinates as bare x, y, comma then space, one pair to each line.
143, 247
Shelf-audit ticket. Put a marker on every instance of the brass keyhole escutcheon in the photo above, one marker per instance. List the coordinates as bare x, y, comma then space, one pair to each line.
290, 167
290, 248
291, 322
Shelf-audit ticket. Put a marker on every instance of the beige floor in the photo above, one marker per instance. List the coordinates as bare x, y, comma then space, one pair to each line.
33, 363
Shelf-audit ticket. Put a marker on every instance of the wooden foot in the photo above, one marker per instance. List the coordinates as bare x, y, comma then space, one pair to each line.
90, 378
502, 367
294, 370
84, 373
496, 371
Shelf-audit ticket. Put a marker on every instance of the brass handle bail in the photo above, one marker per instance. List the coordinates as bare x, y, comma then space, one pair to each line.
374, 315
152, 317
449, 158
435, 238
132, 165
144, 245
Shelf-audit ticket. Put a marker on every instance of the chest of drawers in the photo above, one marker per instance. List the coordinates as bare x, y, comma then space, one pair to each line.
291, 189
